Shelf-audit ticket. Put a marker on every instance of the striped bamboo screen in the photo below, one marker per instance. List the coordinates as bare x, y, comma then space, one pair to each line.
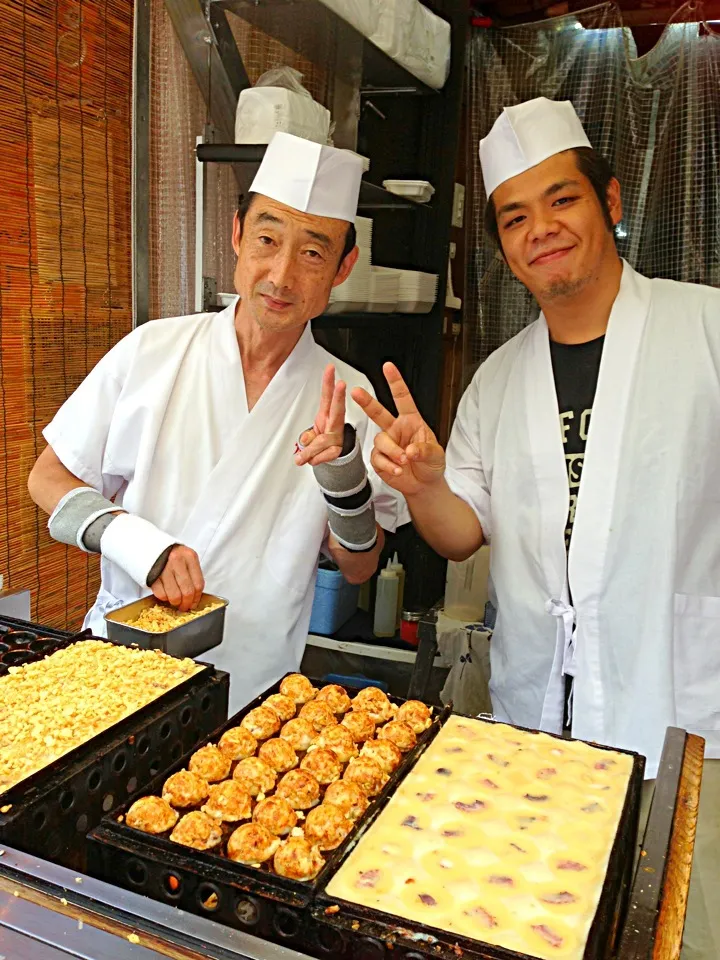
65, 249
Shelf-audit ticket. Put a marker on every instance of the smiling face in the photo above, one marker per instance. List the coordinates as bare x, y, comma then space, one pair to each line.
288, 262
553, 230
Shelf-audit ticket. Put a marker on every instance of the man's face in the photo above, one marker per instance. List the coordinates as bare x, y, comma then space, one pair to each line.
552, 228
287, 263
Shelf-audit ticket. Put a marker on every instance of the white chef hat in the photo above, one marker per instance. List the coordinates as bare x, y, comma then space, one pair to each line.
310, 177
525, 135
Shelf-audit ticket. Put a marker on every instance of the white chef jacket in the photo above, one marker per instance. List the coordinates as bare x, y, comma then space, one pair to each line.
644, 560
162, 425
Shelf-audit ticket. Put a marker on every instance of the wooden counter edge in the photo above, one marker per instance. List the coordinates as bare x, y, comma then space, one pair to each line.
676, 883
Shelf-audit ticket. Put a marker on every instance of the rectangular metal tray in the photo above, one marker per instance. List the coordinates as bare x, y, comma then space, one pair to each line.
251, 899
353, 921
25, 789
190, 639
51, 817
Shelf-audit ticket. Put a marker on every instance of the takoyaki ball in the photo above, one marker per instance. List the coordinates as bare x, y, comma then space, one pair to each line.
335, 697
238, 744
383, 752
298, 688
254, 776
338, 739
185, 789
415, 714
400, 733
261, 722
210, 763
251, 844
318, 714
300, 789
152, 815
348, 797
323, 764
198, 830
326, 827
373, 701
298, 860
278, 754
228, 802
367, 774
276, 815
283, 706
299, 734
360, 724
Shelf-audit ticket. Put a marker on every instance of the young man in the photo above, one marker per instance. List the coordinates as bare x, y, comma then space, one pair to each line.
586, 450
176, 457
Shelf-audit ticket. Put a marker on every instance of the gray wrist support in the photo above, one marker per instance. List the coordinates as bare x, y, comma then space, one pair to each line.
80, 519
348, 494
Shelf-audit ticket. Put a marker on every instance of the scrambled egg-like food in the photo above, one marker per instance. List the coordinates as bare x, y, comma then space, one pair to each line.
49, 707
160, 619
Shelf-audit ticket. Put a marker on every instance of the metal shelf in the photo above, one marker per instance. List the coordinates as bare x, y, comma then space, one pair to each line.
372, 197
279, 19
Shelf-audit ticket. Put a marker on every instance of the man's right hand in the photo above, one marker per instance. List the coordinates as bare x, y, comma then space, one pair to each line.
407, 455
181, 583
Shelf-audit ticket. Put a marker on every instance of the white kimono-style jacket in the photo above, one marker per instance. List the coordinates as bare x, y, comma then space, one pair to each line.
162, 425
642, 636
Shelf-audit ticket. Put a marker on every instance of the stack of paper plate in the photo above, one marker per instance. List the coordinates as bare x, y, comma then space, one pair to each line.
384, 290
417, 291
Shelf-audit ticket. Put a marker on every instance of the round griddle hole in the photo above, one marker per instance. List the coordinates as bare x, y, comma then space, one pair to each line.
248, 911
172, 885
208, 897
94, 781
137, 873
286, 923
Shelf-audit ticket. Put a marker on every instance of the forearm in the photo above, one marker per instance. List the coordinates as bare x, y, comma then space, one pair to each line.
357, 567
50, 481
445, 521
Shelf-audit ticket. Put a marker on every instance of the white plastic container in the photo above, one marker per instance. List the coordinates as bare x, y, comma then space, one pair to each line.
419, 190
466, 587
386, 599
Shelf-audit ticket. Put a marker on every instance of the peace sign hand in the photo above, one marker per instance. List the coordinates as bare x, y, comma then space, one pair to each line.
324, 440
407, 455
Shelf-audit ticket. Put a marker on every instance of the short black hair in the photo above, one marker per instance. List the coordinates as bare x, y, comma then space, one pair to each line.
245, 202
593, 166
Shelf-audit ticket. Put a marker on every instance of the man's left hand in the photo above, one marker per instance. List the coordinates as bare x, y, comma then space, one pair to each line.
324, 441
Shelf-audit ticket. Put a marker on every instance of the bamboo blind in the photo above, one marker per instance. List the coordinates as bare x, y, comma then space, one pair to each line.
65, 287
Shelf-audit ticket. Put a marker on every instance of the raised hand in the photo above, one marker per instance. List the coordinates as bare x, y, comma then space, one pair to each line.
324, 441
407, 455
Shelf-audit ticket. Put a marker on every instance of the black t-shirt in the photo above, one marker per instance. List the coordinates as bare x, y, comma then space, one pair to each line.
575, 369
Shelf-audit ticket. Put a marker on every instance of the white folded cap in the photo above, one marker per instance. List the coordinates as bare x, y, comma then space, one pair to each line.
525, 135
310, 177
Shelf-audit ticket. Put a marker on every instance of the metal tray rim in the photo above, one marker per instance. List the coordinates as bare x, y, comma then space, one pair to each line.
165, 633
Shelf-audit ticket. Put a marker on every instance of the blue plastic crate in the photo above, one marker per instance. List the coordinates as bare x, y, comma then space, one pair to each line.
335, 602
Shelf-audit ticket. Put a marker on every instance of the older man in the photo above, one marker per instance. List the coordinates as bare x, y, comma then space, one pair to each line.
176, 457
586, 450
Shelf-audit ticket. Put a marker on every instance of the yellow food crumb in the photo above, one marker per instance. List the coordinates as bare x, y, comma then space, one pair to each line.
92, 684
63, 901
160, 619
6, 809
133, 938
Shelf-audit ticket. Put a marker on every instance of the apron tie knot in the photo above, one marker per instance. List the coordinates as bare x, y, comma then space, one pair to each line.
565, 615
